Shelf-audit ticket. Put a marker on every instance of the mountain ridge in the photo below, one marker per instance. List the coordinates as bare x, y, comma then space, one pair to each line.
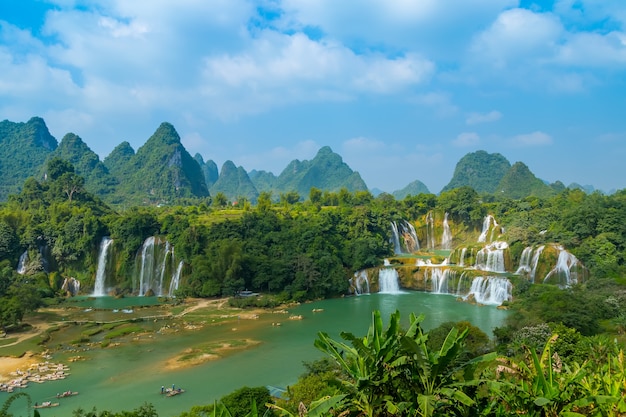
162, 170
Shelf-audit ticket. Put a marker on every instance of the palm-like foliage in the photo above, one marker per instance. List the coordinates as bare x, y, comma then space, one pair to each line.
540, 386
394, 372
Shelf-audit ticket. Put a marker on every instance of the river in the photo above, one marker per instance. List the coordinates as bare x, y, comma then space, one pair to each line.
127, 376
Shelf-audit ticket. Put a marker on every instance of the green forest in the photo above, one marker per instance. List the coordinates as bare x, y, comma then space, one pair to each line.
561, 352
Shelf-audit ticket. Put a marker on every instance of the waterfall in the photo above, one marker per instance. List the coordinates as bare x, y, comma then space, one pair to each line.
388, 281
487, 227
395, 238
21, 264
71, 285
147, 267
491, 257
157, 268
535, 261
446, 240
99, 287
524, 261
168, 251
439, 280
176, 279
462, 260
361, 283
430, 231
566, 270
490, 290
409, 237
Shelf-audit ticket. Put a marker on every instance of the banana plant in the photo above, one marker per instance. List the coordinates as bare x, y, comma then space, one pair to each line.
542, 387
438, 378
606, 388
393, 372
374, 365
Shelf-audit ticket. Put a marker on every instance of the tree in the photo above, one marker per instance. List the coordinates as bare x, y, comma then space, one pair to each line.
290, 198
315, 196
71, 184
220, 200
264, 202
57, 167
239, 402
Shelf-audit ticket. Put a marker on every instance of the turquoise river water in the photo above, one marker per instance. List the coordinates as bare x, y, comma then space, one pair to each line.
125, 377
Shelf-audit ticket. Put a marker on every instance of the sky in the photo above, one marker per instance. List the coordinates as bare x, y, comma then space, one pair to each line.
401, 89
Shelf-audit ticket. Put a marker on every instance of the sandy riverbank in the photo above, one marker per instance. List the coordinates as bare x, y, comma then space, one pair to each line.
10, 364
194, 356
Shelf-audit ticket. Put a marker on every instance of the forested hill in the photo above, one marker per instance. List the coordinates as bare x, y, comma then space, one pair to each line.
163, 172
24, 148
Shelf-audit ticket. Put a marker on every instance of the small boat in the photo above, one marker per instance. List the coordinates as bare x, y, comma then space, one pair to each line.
67, 394
46, 404
172, 392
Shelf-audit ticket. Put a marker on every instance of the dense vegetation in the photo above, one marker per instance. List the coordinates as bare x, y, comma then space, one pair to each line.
299, 250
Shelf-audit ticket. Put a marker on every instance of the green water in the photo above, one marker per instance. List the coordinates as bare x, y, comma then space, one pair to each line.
125, 377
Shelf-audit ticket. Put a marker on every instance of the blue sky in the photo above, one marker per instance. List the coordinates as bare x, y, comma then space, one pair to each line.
401, 89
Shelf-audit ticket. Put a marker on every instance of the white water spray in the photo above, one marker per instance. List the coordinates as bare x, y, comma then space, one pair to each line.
99, 287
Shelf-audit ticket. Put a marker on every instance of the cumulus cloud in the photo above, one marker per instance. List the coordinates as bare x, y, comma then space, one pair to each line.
594, 50
517, 34
278, 68
466, 139
476, 118
537, 138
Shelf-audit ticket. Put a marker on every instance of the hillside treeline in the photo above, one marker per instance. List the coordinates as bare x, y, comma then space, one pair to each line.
299, 248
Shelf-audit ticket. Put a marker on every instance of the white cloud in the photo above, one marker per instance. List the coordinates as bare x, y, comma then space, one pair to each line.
517, 34
429, 26
277, 69
466, 139
532, 139
476, 118
594, 50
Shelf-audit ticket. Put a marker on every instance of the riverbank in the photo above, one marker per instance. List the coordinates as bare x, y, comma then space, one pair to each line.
191, 315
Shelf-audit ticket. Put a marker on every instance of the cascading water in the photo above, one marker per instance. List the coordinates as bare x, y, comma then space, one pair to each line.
168, 251
524, 261
462, 259
446, 240
71, 285
395, 238
21, 264
360, 283
158, 268
566, 271
491, 257
147, 265
535, 262
490, 290
487, 226
99, 287
405, 230
176, 278
388, 281
439, 280
430, 231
